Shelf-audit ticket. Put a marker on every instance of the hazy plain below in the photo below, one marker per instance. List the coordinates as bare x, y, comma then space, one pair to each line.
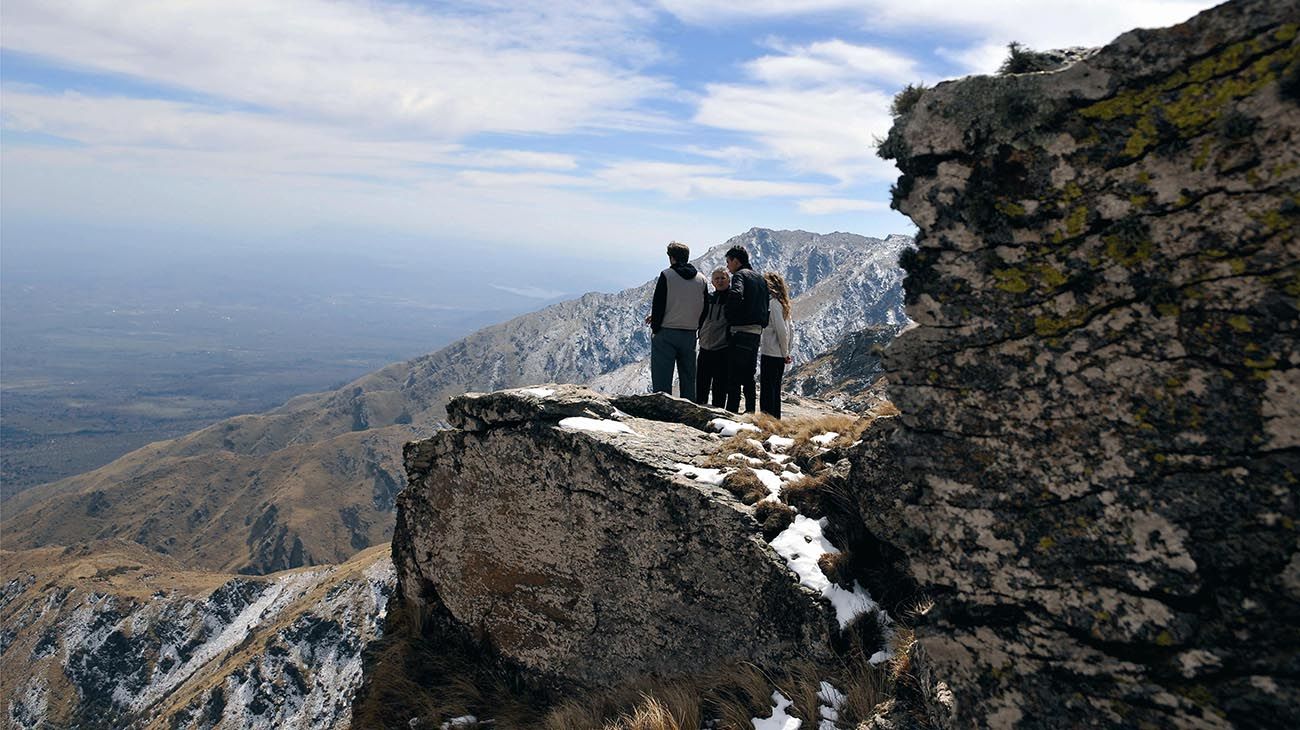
104, 349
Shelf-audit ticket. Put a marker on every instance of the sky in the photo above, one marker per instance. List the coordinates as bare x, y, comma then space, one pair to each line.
580, 130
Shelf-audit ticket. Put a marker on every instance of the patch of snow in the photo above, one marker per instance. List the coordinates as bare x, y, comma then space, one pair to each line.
822, 439
779, 443
801, 545
539, 392
702, 474
598, 425
728, 427
277, 596
831, 701
780, 719
779, 458
772, 482
757, 443
880, 657
745, 458
462, 721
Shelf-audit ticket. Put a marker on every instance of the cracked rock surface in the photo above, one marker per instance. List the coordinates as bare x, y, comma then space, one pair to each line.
567, 538
1095, 472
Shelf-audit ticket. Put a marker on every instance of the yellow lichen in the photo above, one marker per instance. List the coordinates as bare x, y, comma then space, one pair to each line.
1239, 322
1011, 280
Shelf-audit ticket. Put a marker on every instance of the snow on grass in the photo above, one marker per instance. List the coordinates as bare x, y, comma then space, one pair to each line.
880, 657
831, 701
801, 545
779, 443
598, 425
539, 392
728, 427
462, 721
772, 482
822, 439
780, 719
702, 474
746, 458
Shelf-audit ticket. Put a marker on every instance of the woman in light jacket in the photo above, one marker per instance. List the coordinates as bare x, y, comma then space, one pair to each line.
774, 345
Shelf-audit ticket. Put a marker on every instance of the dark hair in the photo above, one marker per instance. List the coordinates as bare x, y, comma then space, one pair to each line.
680, 253
739, 253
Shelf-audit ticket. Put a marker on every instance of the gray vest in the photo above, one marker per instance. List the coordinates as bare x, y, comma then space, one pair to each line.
685, 301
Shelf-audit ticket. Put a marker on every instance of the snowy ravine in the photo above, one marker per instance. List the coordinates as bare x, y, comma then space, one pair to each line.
143, 646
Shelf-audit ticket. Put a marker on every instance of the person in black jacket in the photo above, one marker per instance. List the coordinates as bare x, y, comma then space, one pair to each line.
747, 313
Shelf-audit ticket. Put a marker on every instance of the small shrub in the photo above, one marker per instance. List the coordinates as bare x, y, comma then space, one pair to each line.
745, 485
1022, 60
905, 100
774, 517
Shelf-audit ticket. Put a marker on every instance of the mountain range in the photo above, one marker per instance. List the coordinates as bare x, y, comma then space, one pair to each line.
314, 481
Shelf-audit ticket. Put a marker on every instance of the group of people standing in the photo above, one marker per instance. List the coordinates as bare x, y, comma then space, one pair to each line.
744, 323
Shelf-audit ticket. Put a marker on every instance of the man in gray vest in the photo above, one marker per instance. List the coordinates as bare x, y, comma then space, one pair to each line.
675, 315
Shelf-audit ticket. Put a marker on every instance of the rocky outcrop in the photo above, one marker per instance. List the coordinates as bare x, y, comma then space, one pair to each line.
585, 549
113, 636
1095, 472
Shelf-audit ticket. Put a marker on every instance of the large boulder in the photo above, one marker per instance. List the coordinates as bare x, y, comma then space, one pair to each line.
582, 552
1095, 472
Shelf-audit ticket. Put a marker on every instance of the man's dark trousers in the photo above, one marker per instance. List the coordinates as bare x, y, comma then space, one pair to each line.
668, 348
711, 376
742, 359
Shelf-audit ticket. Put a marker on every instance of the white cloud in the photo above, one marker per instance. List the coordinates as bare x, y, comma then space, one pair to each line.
981, 58
155, 133
464, 68
1041, 24
832, 61
827, 206
828, 130
686, 181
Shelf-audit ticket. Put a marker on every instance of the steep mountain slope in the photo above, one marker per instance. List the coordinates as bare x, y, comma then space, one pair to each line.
111, 635
314, 480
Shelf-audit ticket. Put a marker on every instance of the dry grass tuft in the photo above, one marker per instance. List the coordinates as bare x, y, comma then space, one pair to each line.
807, 495
742, 443
774, 517
836, 568
649, 715
801, 683
901, 644
744, 692
745, 485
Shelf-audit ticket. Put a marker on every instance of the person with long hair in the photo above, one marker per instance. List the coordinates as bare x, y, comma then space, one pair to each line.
774, 346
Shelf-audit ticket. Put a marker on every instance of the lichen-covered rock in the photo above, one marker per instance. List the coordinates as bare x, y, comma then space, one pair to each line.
581, 551
1095, 470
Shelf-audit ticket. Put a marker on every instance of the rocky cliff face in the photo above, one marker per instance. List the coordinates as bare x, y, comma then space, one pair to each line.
314, 481
113, 636
1095, 472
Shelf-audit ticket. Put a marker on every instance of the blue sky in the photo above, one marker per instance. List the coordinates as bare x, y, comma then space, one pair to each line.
596, 129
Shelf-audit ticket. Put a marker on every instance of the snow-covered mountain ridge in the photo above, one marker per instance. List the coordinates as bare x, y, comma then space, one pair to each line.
110, 636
